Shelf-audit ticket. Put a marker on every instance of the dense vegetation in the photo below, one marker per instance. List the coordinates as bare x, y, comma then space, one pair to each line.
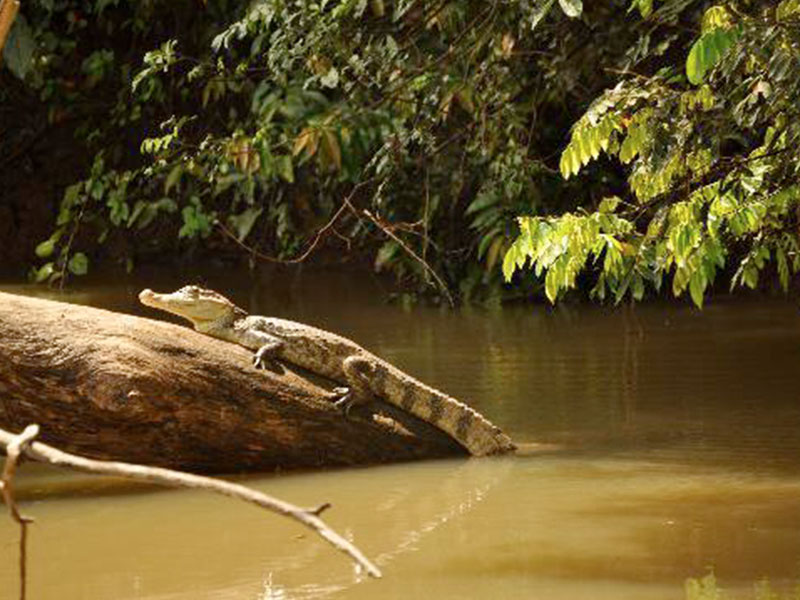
604, 147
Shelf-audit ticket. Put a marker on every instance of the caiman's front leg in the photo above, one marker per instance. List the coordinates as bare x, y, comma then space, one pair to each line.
265, 344
265, 356
359, 372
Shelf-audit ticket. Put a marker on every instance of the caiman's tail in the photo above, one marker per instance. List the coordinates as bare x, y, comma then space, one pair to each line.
464, 424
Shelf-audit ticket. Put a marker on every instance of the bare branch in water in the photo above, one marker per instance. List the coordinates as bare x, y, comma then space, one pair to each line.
38, 451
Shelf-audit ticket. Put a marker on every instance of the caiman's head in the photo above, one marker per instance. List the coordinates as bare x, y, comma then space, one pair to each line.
201, 306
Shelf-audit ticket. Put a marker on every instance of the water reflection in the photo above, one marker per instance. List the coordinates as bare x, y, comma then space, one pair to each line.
671, 440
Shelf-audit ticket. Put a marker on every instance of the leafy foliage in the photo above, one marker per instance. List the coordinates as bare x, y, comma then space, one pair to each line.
259, 118
417, 132
711, 175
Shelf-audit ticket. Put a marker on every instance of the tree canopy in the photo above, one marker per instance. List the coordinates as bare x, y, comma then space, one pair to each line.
606, 147
710, 156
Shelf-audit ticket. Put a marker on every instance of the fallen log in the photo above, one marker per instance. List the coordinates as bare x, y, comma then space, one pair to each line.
112, 386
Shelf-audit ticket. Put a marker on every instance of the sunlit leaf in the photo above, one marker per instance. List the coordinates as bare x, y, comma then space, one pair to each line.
44, 272
78, 264
377, 7
333, 152
786, 9
697, 286
244, 221
572, 8
283, 165
783, 268
706, 53
540, 11
608, 205
330, 79
20, 46
645, 7
564, 164
551, 285
46, 248
307, 140
716, 17
173, 178
510, 262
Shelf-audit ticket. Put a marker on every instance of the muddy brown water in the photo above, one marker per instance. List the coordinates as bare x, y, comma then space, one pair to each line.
661, 442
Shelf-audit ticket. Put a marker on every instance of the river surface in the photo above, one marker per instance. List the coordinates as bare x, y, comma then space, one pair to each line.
664, 444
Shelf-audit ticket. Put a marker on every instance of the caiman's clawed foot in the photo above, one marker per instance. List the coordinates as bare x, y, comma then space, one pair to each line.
266, 354
262, 361
346, 402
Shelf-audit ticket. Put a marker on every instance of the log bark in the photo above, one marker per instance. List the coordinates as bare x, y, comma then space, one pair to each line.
117, 387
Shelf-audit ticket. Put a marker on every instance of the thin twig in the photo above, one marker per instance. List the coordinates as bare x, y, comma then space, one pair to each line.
346, 205
314, 242
426, 215
65, 252
411, 253
16, 446
309, 517
626, 72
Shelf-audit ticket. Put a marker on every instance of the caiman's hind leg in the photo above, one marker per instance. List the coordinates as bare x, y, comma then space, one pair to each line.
359, 372
264, 357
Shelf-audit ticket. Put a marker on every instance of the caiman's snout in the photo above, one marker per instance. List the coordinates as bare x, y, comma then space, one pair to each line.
147, 297
190, 302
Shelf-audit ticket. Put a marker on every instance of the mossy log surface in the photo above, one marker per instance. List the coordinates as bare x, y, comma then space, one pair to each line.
118, 387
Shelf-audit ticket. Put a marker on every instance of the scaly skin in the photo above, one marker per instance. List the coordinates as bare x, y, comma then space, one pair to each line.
336, 358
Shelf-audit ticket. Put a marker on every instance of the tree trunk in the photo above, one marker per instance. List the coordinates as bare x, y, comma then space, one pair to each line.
117, 387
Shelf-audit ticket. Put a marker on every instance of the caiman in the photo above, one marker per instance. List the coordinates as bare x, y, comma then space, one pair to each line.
336, 358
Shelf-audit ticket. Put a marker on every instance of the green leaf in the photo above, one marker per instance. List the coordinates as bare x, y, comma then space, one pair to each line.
551, 284
487, 238
283, 165
44, 272
243, 222
78, 264
485, 198
637, 287
46, 248
697, 287
571, 8
173, 178
716, 17
645, 7
138, 208
510, 263
540, 12
330, 79
19, 49
386, 254
331, 154
582, 146
608, 205
564, 163
706, 53
750, 277
195, 221
783, 268
786, 9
